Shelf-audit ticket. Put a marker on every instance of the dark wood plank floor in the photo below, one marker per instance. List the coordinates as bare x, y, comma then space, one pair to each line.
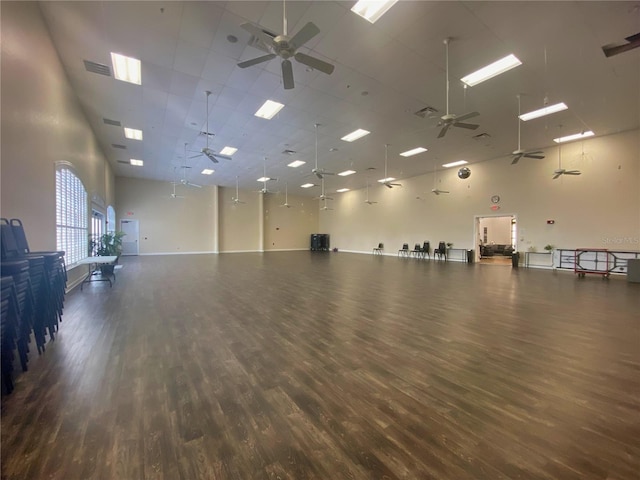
324, 366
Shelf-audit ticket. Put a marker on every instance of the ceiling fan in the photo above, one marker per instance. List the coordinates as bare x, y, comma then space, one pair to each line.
236, 200
561, 171
435, 190
451, 119
519, 153
367, 201
174, 183
387, 181
206, 151
184, 168
286, 198
322, 194
319, 172
264, 190
286, 47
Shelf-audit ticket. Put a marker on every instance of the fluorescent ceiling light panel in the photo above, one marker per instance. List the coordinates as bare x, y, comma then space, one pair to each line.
346, 173
127, 69
455, 164
415, 151
307, 185
372, 10
136, 163
296, 164
342, 190
264, 179
207, 171
228, 151
133, 133
496, 68
575, 136
269, 109
558, 107
388, 179
359, 133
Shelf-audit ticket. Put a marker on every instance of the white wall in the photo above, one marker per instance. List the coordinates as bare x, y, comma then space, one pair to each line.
289, 228
598, 209
42, 123
169, 225
498, 230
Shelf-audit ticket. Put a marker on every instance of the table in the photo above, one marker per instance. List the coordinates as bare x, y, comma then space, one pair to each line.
94, 266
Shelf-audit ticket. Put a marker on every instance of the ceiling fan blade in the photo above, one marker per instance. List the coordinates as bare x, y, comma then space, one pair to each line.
196, 156
287, 75
443, 132
255, 61
611, 50
219, 155
573, 172
470, 126
314, 63
516, 159
388, 185
258, 32
466, 116
556, 175
305, 34
534, 155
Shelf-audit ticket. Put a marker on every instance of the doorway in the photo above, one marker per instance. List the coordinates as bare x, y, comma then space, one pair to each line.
496, 238
130, 239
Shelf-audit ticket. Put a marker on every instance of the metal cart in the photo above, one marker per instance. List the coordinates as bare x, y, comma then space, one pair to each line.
591, 260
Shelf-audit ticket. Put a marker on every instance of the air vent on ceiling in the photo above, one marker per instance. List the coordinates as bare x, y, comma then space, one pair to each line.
116, 145
255, 42
425, 112
203, 133
98, 68
115, 123
371, 168
481, 135
123, 162
288, 152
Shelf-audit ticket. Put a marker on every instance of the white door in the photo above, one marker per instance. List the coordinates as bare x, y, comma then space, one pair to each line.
131, 237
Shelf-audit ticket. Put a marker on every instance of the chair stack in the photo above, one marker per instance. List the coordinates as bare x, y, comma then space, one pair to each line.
33, 290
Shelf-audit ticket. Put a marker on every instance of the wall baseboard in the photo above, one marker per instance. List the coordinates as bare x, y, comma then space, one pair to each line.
173, 253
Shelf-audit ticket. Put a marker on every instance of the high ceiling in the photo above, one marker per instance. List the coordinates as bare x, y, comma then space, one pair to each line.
384, 73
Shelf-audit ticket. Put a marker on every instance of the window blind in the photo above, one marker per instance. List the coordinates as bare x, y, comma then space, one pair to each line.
71, 216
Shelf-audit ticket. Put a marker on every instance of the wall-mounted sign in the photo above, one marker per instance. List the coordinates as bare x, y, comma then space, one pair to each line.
495, 207
129, 213
550, 222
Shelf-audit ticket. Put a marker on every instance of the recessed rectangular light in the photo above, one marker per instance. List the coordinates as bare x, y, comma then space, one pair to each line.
136, 163
269, 109
127, 69
575, 136
207, 171
228, 151
455, 164
372, 10
415, 151
307, 185
264, 179
359, 133
388, 179
342, 190
346, 173
296, 164
496, 68
133, 133
558, 107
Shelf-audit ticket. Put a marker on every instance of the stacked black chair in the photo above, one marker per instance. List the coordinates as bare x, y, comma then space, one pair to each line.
426, 250
34, 300
23, 295
9, 315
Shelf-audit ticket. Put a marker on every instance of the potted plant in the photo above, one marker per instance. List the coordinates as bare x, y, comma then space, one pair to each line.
549, 248
107, 245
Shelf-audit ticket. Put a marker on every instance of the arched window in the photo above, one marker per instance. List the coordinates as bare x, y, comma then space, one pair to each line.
111, 219
72, 222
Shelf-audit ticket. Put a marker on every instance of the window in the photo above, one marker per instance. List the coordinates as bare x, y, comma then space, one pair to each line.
72, 233
111, 219
97, 224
